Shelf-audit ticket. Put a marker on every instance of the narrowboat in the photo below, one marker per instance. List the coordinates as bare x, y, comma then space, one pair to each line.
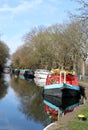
21, 74
28, 74
41, 73
62, 84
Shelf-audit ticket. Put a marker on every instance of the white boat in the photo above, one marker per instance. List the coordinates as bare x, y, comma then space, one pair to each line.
41, 73
7, 69
40, 82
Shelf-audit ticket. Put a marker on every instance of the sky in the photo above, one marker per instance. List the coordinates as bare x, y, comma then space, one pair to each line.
18, 17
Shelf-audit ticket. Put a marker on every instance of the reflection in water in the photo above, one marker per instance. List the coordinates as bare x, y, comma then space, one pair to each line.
40, 82
31, 101
57, 106
22, 105
3, 87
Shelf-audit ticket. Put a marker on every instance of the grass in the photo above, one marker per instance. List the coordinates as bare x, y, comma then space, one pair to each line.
77, 124
59, 128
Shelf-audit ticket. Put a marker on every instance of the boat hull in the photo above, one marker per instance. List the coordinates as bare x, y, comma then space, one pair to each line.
62, 85
61, 90
41, 73
53, 92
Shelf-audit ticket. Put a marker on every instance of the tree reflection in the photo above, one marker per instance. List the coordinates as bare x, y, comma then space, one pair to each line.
3, 87
31, 101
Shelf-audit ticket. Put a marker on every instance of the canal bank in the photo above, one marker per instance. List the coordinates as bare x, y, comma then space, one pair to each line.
62, 123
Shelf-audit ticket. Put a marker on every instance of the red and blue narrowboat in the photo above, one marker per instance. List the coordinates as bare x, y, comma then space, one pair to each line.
62, 84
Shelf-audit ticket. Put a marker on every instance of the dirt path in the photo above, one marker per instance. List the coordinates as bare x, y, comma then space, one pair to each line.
62, 122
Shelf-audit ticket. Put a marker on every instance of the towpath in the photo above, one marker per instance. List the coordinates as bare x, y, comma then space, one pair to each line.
62, 122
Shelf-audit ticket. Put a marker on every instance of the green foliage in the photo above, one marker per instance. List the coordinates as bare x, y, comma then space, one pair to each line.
4, 53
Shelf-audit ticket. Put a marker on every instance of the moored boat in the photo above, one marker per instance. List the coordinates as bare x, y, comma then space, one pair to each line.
62, 84
6, 69
28, 74
41, 73
21, 74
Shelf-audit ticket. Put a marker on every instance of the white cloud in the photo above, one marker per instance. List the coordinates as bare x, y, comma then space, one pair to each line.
23, 6
17, 18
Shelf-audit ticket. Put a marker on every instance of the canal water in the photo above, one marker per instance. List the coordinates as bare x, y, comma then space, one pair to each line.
22, 106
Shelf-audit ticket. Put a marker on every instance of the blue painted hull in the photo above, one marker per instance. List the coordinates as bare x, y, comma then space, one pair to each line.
61, 90
61, 86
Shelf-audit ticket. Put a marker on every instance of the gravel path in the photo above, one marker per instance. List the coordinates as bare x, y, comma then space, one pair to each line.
62, 122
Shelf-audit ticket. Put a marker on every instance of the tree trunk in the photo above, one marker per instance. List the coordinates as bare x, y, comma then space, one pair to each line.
83, 68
